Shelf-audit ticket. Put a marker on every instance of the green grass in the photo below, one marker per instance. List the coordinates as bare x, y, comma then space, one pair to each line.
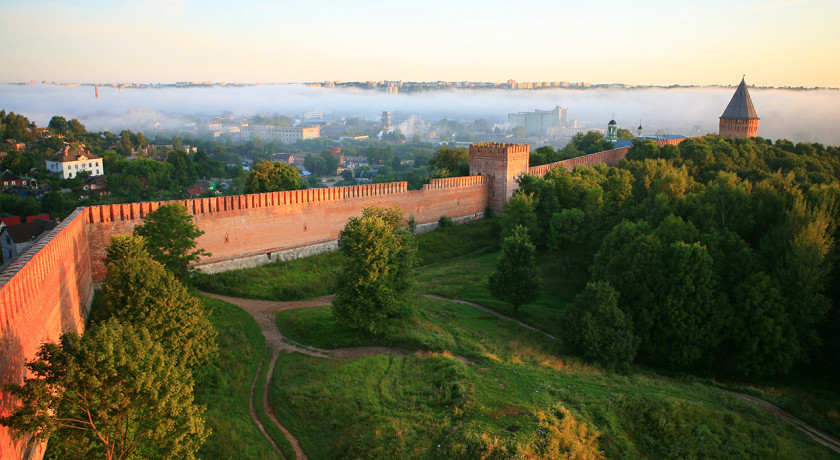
466, 279
405, 406
224, 386
317, 275
447, 243
815, 405
276, 434
291, 280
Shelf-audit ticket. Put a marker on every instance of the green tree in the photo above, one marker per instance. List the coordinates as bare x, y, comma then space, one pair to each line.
140, 291
113, 393
268, 176
183, 169
624, 134
520, 210
451, 162
517, 278
597, 329
59, 125
379, 254
170, 235
17, 162
566, 237
124, 246
76, 127
542, 156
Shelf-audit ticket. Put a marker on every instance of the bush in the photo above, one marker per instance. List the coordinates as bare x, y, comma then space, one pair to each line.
446, 222
597, 329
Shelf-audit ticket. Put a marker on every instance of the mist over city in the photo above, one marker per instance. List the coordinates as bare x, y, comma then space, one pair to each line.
798, 115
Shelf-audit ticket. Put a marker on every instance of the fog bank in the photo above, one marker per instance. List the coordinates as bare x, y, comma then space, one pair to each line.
799, 115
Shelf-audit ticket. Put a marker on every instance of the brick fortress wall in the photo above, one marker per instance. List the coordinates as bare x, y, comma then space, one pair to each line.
607, 157
44, 293
249, 230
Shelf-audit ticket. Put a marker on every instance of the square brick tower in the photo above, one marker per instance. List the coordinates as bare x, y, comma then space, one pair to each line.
502, 163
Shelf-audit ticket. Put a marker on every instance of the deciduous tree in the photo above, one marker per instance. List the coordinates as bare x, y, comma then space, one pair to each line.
170, 236
595, 328
114, 393
451, 162
140, 291
268, 176
379, 254
517, 278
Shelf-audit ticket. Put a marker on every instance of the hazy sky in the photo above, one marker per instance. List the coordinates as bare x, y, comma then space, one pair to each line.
777, 43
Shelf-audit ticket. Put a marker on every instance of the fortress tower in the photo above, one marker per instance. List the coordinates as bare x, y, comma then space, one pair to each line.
502, 163
739, 118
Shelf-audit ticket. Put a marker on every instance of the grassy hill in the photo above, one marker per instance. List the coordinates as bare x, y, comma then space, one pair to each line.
467, 384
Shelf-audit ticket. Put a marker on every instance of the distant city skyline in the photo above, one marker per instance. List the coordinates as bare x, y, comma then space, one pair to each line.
777, 43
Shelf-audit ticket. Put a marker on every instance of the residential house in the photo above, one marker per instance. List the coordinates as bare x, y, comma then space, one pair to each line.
7, 179
68, 162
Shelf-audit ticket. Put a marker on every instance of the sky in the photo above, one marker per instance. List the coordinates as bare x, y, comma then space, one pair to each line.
775, 43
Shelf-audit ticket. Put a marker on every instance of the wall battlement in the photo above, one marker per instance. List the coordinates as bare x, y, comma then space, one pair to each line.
135, 211
498, 149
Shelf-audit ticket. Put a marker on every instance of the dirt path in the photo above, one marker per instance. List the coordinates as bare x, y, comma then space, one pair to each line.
253, 412
264, 313
492, 312
817, 435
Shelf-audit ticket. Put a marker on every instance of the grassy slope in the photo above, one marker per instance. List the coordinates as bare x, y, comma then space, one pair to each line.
405, 406
225, 385
463, 278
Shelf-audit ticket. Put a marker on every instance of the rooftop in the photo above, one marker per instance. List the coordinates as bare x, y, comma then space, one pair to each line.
741, 106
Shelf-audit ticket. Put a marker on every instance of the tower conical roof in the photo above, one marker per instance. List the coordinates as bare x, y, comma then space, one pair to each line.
741, 106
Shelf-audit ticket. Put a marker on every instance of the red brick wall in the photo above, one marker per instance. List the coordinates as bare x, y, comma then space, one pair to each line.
46, 292
246, 225
607, 157
738, 128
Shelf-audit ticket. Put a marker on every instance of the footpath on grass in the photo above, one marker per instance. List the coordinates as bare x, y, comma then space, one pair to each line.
264, 313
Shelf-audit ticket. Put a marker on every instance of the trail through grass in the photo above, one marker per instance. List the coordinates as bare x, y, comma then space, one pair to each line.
436, 406
224, 385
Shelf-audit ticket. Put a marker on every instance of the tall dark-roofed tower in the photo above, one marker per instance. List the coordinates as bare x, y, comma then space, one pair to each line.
739, 118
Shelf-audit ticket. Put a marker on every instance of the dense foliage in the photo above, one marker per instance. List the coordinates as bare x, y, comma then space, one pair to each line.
113, 393
595, 328
269, 176
379, 255
170, 236
123, 390
139, 290
721, 250
516, 279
